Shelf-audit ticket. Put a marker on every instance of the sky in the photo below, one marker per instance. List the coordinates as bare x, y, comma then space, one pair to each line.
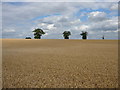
19, 19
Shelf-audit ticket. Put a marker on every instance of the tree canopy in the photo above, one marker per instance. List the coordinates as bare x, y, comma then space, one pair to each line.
66, 34
38, 33
84, 34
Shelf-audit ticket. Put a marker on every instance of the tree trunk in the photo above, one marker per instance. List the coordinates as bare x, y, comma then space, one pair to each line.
39, 37
84, 37
66, 37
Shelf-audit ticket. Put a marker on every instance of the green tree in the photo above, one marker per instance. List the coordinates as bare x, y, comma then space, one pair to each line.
66, 34
84, 34
38, 33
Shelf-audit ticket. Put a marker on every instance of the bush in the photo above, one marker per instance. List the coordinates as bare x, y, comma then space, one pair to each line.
28, 38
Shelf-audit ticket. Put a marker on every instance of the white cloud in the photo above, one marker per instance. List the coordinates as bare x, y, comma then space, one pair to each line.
114, 7
51, 27
9, 31
55, 18
84, 27
77, 21
97, 16
105, 25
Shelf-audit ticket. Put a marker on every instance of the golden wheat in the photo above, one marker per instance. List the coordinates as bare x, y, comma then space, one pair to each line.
60, 63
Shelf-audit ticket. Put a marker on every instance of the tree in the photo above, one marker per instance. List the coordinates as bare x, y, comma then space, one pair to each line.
38, 33
66, 34
84, 34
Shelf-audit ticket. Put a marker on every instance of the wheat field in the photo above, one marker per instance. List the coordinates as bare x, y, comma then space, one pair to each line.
58, 63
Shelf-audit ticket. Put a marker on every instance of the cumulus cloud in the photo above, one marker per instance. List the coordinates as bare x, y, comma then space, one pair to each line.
84, 27
19, 19
97, 16
114, 7
110, 24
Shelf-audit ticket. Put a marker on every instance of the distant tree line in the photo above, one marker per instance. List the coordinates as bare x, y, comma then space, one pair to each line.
39, 32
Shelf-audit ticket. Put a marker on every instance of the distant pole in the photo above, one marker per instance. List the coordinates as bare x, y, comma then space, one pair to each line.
103, 37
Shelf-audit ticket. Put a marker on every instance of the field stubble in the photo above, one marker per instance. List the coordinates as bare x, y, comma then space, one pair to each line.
60, 63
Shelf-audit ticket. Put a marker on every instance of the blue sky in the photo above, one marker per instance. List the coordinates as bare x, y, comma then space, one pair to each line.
98, 19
